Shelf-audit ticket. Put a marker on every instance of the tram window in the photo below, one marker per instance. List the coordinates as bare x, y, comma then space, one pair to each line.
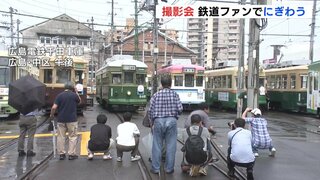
229, 81
272, 82
23, 72
304, 82
199, 81
315, 81
284, 82
292, 81
224, 81
47, 76
79, 76
128, 77
4, 76
261, 82
310, 82
178, 80
217, 82
116, 78
140, 79
63, 75
189, 80
211, 83
278, 81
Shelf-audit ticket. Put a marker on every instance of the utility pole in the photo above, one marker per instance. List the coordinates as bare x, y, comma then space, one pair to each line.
201, 63
11, 25
253, 62
92, 56
313, 23
112, 27
136, 40
155, 48
18, 34
241, 65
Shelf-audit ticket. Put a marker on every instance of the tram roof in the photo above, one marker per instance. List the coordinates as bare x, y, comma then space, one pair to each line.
291, 68
314, 66
119, 61
179, 68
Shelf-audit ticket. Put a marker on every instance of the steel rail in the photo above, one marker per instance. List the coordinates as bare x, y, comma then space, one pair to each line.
142, 164
15, 140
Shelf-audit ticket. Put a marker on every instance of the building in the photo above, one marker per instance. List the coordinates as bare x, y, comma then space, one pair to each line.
66, 32
214, 40
4, 40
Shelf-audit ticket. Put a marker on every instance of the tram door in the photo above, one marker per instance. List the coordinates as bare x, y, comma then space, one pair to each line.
313, 93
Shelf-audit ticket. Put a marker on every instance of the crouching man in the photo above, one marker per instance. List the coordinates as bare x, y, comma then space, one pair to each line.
240, 149
195, 150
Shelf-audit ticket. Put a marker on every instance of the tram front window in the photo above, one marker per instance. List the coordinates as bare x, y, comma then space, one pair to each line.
199, 81
116, 78
140, 78
4, 76
189, 81
128, 77
178, 80
47, 76
79, 76
63, 75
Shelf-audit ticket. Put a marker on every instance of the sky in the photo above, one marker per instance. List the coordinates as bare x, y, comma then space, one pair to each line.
296, 47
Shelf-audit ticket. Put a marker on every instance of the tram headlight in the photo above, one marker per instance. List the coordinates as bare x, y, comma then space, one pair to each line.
128, 93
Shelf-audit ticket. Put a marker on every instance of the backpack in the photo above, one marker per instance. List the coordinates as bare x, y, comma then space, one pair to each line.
193, 147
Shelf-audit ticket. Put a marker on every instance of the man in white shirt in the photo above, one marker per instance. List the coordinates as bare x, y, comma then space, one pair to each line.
128, 138
240, 149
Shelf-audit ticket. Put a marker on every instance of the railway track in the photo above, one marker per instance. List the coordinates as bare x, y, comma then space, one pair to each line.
221, 166
13, 141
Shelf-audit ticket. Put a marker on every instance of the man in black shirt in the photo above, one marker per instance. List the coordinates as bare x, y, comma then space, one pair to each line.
66, 103
100, 138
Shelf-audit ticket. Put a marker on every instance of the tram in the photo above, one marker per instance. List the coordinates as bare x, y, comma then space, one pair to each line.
188, 81
73, 69
287, 88
313, 95
221, 88
121, 84
11, 70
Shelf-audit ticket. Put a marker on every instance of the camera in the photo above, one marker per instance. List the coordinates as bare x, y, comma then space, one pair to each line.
231, 125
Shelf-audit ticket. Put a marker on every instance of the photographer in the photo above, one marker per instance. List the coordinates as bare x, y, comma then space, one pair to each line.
240, 150
259, 130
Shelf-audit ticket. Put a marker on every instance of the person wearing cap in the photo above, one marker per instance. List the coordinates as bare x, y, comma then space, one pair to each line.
260, 135
66, 104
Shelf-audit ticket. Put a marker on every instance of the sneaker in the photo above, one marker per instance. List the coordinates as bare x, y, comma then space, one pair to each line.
154, 171
21, 153
107, 157
119, 159
62, 157
203, 171
135, 158
90, 156
256, 154
231, 173
72, 157
194, 170
31, 153
272, 152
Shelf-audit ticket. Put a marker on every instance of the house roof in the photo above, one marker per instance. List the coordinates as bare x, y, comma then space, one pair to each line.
62, 25
169, 39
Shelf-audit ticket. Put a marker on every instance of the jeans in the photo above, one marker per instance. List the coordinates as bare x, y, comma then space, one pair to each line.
255, 148
232, 164
165, 131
